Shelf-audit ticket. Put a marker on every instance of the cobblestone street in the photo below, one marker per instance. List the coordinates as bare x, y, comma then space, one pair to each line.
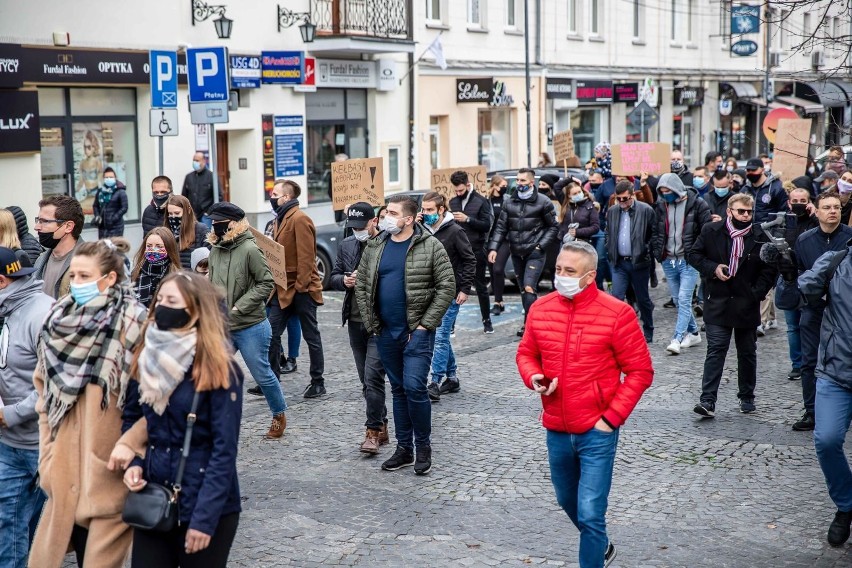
738, 491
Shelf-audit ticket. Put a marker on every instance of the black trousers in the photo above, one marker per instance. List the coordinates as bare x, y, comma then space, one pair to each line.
305, 308
370, 372
167, 550
481, 282
718, 341
809, 327
498, 271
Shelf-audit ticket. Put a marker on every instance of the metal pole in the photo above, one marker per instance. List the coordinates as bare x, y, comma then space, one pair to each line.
766, 95
161, 155
212, 146
527, 73
642, 124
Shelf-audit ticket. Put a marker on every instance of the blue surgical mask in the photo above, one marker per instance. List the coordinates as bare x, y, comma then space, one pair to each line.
669, 197
84, 293
698, 183
109, 182
430, 218
721, 191
196, 165
578, 198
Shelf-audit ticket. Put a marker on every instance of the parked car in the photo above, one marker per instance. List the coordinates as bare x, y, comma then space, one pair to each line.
512, 175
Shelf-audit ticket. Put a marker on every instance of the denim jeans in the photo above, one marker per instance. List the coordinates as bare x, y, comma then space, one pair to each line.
794, 340
809, 328
370, 372
294, 337
833, 414
604, 273
406, 360
443, 359
253, 343
581, 473
625, 275
718, 342
21, 501
304, 308
682, 279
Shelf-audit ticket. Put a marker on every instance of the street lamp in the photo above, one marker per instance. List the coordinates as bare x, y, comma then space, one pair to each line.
202, 11
287, 18
223, 26
308, 31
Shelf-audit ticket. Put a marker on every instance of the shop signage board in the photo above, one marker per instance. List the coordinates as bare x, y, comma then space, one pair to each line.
556, 88
500, 96
346, 73
289, 137
164, 78
163, 122
19, 122
634, 158
626, 93
273, 251
207, 74
361, 179
11, 69
790, 158
440, 180
689, 96
474, 90
267, 132
745, 19
594, 91
387, 79
245, 71
726, 106
563, 149
282, 67
744, 48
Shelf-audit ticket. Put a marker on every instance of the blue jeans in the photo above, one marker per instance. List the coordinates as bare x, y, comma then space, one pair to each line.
294, 337
604, 273
21, 501
794, 340
682, 279
833, 415
581, 473
406, 360
253, 343
443, 359
625, 275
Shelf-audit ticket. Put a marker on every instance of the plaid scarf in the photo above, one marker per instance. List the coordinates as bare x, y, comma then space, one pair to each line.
150, 276
163, 362
737, 247
86, 344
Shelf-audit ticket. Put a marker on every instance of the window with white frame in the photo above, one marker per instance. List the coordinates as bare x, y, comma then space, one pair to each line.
475, 13
594, 17
691, 21
675, 21
433, 10
807, 30
511, 14
783, 30
638, 20
394, 153
572, 17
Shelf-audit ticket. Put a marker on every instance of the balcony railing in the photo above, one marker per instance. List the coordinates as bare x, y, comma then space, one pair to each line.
385, 19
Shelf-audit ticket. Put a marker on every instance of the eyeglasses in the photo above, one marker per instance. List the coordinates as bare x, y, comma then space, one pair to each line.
743, 211
42, 221
624, 199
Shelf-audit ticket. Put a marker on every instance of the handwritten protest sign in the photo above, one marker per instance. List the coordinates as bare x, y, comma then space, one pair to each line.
563, 150
274, 253
361, 179
790, 159
441, 180
634, 158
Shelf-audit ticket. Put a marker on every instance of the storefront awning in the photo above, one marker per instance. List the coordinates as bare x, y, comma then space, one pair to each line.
830, 94
743, 90
761, 102
808, 106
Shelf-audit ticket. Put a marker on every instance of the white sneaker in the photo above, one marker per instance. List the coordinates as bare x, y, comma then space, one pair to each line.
674, 347
761, 331
691, 340
771, 324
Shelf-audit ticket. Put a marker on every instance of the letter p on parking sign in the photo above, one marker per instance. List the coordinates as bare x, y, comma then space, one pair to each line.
164, 80
207, 70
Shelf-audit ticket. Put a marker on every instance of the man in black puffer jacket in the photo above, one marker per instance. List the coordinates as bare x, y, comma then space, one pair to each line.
29, 243
155, 214
528, 222
362, 219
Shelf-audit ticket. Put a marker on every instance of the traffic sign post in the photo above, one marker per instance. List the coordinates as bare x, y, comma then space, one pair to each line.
643, 117
164, 91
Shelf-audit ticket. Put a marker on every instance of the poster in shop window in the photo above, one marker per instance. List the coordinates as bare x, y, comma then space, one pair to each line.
790, 159
88, 152
632, 159
440, 180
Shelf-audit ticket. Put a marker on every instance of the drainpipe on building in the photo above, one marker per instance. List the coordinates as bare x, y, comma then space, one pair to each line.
412, 134
527, 76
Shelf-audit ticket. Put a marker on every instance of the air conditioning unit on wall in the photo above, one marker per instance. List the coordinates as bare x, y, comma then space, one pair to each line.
775, 59
817, 59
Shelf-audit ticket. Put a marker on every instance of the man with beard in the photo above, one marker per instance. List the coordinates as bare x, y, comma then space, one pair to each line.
679, 167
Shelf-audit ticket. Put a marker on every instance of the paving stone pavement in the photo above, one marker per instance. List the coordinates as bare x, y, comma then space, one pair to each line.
739, 491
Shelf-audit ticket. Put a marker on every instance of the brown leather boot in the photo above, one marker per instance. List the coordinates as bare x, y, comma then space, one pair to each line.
371, 442
276, 430
383, 435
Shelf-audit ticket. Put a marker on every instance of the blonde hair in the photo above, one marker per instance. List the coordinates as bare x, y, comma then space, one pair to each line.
8, 230
789, 187
744, 197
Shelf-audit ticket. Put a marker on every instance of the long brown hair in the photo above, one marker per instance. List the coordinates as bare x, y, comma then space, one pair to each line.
187, 220
211, 369
171, 250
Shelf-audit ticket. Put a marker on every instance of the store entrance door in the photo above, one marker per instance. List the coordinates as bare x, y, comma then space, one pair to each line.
222, 169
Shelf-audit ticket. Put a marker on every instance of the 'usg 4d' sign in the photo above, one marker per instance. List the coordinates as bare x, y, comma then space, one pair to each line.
744, 47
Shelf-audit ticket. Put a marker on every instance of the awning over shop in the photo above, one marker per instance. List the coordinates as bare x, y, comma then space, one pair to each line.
743, 90
761, 102
829, 93
808, 106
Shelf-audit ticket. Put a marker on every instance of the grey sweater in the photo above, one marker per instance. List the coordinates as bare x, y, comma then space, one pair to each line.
23, 307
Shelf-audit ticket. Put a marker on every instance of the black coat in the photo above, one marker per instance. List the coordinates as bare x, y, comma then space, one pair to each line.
718, 205
198, 188
458, 248
29, 243
496, 208
348, 257
697, 215
112, 216
642, 221
152, 216
480, 218
526, 224
736, 302
201, 231
585, 215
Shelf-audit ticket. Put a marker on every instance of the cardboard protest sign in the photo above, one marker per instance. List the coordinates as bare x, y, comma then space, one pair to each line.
440, 180
634, 158
361, 179
563, 150
274, 253
790, 159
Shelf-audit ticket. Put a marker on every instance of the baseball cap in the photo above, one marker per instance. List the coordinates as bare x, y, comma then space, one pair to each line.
828, 174
753, 164
10, 266
359, 215
225, 211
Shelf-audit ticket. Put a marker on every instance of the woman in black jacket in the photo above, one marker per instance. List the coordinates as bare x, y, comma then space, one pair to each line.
110, 206
186, 351
497, 197
188, 232
579, 209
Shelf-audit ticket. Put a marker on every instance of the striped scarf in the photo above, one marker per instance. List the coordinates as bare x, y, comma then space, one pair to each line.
737, 247
92, 343
163, 363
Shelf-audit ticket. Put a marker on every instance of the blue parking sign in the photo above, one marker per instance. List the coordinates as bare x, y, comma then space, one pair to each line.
164, 78
207, 74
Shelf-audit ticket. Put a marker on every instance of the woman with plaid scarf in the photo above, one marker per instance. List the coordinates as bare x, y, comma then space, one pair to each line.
84, 353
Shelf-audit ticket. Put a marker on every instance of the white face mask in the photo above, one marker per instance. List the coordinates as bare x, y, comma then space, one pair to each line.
361, 236
569, 286
389, 225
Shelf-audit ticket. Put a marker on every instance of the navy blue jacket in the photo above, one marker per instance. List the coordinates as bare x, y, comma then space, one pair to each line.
112, 216
210, 488
810, 246
768, 198
348, 257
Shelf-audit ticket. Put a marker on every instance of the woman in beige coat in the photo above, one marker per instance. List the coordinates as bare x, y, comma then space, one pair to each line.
84, 353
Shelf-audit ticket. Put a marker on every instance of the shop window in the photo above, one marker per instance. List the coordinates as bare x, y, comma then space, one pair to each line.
588, 127
495, 136
435, 142
393, 164
51, 102
93, 102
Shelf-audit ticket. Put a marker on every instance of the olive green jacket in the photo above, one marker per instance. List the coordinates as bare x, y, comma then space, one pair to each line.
430, 286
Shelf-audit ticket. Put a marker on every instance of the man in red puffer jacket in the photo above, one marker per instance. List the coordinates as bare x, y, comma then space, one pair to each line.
578, 343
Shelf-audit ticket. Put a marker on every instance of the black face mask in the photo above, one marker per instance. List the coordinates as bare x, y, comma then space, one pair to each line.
47, 240
739, 225
174, 223
170, 318
800, 209
754, 178
276, 204
161, 200
219, 229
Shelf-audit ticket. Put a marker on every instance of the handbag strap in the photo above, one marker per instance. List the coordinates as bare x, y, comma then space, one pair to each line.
187, 438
